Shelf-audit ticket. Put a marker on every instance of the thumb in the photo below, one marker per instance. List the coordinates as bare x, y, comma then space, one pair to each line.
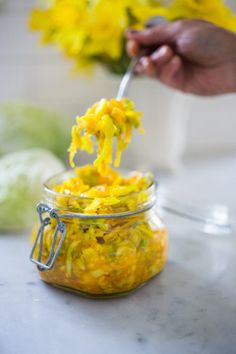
155, 36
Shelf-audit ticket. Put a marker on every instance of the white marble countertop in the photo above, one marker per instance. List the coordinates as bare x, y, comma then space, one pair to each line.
189, 309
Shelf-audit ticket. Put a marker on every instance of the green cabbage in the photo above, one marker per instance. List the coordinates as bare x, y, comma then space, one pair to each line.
21, 185
24, 126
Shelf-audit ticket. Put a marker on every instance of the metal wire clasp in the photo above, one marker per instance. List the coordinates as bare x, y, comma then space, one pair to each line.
60, 229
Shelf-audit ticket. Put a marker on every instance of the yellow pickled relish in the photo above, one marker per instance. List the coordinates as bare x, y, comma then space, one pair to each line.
107, 256
102, 256
104, 121
103, 193
89, 182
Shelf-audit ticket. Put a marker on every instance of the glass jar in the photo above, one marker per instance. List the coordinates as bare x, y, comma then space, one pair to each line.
102, 255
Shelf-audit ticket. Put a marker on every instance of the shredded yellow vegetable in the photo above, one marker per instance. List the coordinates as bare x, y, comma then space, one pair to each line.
105, 120
108, 255
101, 194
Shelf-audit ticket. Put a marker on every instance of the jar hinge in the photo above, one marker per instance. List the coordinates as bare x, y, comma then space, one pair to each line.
60, 229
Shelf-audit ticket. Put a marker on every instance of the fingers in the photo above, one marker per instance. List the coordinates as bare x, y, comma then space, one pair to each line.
168, 73
152, 65
161, 56
151, 36
132, 48
163, 64
146, 66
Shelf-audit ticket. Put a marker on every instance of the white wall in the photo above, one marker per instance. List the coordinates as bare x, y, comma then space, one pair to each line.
41, 75
212, 126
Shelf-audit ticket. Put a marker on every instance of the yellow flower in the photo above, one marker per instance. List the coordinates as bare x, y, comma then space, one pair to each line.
144, 13
105, 30
214, 11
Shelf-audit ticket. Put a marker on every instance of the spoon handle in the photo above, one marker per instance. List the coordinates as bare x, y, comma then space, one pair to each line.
124, 85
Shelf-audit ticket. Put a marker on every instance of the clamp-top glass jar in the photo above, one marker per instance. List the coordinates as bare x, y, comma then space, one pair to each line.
100, 255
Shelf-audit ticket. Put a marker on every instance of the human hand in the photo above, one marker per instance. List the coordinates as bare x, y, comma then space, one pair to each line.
193, 56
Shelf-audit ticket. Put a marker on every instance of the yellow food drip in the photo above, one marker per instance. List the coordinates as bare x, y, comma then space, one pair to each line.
104, 121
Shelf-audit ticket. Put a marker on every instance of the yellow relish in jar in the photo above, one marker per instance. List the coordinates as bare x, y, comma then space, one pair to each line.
100, 234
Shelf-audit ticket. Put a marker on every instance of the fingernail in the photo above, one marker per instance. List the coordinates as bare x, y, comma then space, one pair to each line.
144, 61
159, 53
163, 50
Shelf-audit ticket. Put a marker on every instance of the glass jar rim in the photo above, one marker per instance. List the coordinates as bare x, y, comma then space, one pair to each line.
151, 187
77, 205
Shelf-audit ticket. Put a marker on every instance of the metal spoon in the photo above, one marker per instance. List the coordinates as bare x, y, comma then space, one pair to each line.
125, 82
124, 85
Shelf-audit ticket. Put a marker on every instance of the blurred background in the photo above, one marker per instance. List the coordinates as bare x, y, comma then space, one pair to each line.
178, 127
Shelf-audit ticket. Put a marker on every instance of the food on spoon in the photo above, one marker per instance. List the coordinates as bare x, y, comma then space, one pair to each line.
104, 121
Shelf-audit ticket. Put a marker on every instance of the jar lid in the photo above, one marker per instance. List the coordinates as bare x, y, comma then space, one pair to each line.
211, 219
